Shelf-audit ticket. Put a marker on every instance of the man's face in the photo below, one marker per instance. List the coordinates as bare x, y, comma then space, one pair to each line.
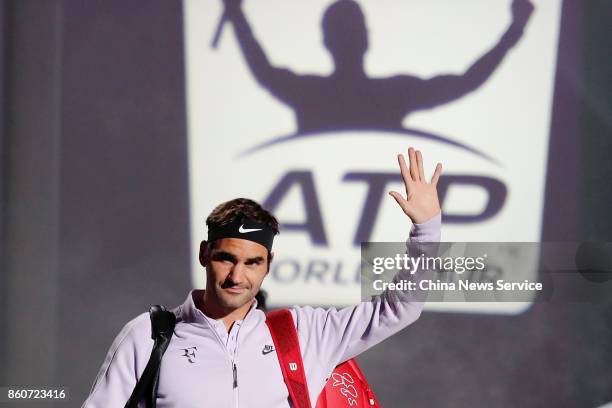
235, 269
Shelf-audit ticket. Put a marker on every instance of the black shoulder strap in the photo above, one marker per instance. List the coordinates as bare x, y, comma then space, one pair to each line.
162, 328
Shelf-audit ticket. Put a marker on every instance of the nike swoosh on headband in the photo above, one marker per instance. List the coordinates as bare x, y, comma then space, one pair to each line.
259, 232
243, 230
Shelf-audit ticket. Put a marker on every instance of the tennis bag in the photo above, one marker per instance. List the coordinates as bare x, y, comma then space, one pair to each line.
346, 387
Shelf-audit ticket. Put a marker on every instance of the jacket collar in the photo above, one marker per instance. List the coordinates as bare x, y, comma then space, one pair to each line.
189, 313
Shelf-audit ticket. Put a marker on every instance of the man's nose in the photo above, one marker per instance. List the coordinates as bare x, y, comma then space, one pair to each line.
237, 273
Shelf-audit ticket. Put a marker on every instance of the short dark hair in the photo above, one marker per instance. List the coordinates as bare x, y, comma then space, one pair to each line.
238, 208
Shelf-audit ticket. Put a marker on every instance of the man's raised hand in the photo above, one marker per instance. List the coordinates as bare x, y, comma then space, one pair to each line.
521, 11
421, 202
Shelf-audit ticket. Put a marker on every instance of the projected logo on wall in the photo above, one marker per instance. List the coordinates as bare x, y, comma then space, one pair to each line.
469, 84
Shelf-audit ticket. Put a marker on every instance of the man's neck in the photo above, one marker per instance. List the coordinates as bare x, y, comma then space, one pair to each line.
352, 69
209, 306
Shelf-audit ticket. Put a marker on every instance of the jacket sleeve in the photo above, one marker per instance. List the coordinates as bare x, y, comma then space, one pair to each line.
122, 366
339, 335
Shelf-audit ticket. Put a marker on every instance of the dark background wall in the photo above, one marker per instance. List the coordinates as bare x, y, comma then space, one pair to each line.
95, 217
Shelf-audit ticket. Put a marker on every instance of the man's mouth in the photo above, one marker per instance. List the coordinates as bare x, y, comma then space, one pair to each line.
235, 289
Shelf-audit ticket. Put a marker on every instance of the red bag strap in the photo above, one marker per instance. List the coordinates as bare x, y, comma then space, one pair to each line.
284, 335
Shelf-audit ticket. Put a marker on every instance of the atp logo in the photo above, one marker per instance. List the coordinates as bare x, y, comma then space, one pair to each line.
310, 122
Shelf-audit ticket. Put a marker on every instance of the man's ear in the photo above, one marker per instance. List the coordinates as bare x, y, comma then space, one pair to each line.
203, 253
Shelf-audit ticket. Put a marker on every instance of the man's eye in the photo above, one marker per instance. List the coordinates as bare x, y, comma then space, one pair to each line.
224, 259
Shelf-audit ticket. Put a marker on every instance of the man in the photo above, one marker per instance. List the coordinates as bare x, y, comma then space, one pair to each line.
350, 99
222, 354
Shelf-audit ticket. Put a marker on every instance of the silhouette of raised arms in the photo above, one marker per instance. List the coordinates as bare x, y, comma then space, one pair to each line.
348, 98
268, 76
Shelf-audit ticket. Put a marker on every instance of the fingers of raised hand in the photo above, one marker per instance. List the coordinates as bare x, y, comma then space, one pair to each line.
436, 175
414, 170
399, 199
419, 158
417, 168
404, 171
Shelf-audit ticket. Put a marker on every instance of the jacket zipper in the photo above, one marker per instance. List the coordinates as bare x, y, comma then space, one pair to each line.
235, 385
235, 376
234, 370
